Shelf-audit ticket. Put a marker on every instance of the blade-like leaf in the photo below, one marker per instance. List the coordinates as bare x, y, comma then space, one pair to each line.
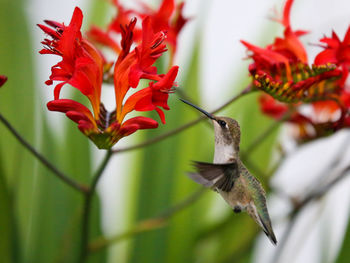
8, 237
17, 105
57, 209
344, 253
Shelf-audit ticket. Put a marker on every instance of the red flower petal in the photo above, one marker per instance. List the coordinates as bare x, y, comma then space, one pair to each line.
335, 51
167, 81
99, 36
273, 58
290, 46
76, 116
3, 79
161, 19
137, 123
326, 56
271, 107
161, 115
86, 127
66, 105
147, 53
286, 13
153, 96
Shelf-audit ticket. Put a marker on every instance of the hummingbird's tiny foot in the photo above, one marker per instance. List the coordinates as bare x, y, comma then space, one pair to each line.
237, 209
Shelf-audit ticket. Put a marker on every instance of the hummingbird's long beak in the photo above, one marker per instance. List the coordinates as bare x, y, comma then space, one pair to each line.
210, 116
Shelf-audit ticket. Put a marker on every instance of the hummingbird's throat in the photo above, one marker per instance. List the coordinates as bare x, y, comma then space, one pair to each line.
225, 153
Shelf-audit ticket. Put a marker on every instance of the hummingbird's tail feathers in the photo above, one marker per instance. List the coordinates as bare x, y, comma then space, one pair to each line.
221, 176
263, 221
268, 231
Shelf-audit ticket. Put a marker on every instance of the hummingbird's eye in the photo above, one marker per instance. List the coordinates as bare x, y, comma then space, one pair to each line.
222, 123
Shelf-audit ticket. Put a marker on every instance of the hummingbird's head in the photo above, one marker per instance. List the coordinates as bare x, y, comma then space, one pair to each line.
227, 130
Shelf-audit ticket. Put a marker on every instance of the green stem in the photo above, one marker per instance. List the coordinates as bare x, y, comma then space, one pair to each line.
64, 178
87, 208
166, 135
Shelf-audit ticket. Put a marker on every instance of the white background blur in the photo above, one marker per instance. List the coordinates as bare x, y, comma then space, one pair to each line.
223, 23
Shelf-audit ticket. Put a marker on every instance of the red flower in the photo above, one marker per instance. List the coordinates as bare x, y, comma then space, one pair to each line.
276, 59
82, 67
3, 79
281, 70
168, 18
162, 20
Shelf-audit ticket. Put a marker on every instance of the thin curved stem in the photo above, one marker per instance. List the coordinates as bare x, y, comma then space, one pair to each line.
59, 174
247, 90
148, 224
87, 207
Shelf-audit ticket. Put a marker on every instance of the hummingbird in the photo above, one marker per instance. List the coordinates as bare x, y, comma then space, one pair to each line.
228, 176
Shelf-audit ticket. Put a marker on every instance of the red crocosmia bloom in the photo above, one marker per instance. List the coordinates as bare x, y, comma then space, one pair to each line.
162, 20
281, 70
336, 52
290, 45
82, 66
116, 27
276, 59
3, 79
168, 18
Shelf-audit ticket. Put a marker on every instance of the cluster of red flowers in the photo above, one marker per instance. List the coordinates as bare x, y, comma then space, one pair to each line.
84, 67
281, 70
168, 18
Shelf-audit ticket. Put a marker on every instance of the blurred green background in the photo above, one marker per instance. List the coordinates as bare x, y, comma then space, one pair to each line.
40, 216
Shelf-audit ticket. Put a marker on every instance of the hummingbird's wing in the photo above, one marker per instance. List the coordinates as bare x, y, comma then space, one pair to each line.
221, 176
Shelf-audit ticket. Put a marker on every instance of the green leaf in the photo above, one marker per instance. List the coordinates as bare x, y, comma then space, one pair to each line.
57, 209
8, 237
224, 241
17, 105
344, 253
98, 13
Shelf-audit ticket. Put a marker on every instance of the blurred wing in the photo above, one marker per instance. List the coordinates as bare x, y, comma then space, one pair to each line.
221, 176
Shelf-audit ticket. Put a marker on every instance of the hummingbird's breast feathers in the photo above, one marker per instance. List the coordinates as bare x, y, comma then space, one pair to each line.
224, 153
